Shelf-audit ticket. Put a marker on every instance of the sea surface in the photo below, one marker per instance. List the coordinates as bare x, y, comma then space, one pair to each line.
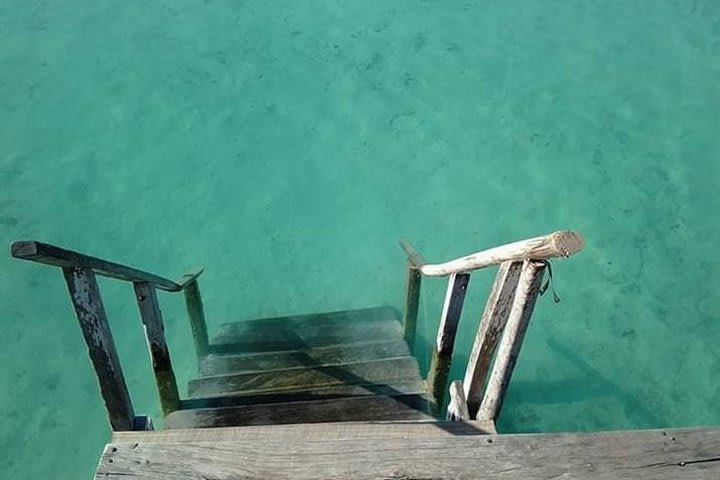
287, 145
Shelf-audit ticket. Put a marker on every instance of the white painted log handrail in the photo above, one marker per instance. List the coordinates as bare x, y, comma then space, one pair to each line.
558, 244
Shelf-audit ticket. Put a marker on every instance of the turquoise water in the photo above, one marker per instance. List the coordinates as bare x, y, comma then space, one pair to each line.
287, 145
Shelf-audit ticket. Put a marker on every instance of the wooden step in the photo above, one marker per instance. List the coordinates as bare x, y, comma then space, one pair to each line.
218, 364
373, 372
390, 389
313, 431
302, 332
354, 409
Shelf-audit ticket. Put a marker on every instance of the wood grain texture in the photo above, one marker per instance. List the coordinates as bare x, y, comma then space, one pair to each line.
215, 364
59, 257
302, 378
558, 244
492, 324
90, 312
528, 289
354, 409
390, 388
412, 302
151, 315
447, 330
196, 316
457, 409
678, 454
308, 331
312, 431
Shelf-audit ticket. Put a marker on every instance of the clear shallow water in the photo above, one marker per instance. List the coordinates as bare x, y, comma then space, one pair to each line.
287, 146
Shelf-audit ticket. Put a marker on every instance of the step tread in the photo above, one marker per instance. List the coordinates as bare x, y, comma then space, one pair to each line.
314, 431
301, 332
355, 409
371, 372
218, 364
389, 389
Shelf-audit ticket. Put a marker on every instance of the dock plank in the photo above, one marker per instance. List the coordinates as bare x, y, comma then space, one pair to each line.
686, 454
361, 373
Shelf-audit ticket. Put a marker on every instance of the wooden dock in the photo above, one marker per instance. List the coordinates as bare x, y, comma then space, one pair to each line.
339, 395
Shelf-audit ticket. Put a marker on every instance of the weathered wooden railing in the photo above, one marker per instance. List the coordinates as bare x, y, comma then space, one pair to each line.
80, 275
507, 314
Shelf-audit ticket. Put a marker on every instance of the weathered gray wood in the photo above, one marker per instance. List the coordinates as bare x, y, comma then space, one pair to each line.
414, 258
557, 244
59, 257
196, 315
457, 410
682, 454
311, 431
354, 409
303, 378
190, 276
308, 331
492, 323
523, 304
317, 357
391, 388
88, 305
412, 302
443, 348
155, 335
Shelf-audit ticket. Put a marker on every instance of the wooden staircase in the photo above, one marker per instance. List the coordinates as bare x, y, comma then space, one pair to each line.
344, 366
339, 395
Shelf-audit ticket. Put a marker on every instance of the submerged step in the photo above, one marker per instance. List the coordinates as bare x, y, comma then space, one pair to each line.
302, 332
218, 364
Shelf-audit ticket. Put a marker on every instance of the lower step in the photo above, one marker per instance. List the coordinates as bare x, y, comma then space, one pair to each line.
375, 372
231, 399
357, 409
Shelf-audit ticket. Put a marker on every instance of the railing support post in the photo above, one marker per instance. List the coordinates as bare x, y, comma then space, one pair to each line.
492, 324
443, 349
412, 303
457, 410
155, 335
528, 289
86, 300
196, 314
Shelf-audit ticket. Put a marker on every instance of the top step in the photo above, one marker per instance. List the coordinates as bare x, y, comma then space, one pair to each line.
302, 332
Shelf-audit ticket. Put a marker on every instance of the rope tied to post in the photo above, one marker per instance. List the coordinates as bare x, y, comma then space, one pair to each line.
549, 283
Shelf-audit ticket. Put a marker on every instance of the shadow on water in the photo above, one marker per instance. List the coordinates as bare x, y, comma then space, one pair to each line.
590, 384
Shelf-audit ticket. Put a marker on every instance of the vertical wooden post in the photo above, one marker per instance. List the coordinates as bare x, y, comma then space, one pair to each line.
457, 410
196, 314
155, 335
443, 349
526, 295
492, 323
86, 300
412, 302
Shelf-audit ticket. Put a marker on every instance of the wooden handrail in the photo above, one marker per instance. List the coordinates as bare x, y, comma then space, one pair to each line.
59, 257
80, 271
558, 244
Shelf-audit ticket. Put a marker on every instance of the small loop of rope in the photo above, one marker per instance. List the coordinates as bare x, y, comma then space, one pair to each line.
549, 283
